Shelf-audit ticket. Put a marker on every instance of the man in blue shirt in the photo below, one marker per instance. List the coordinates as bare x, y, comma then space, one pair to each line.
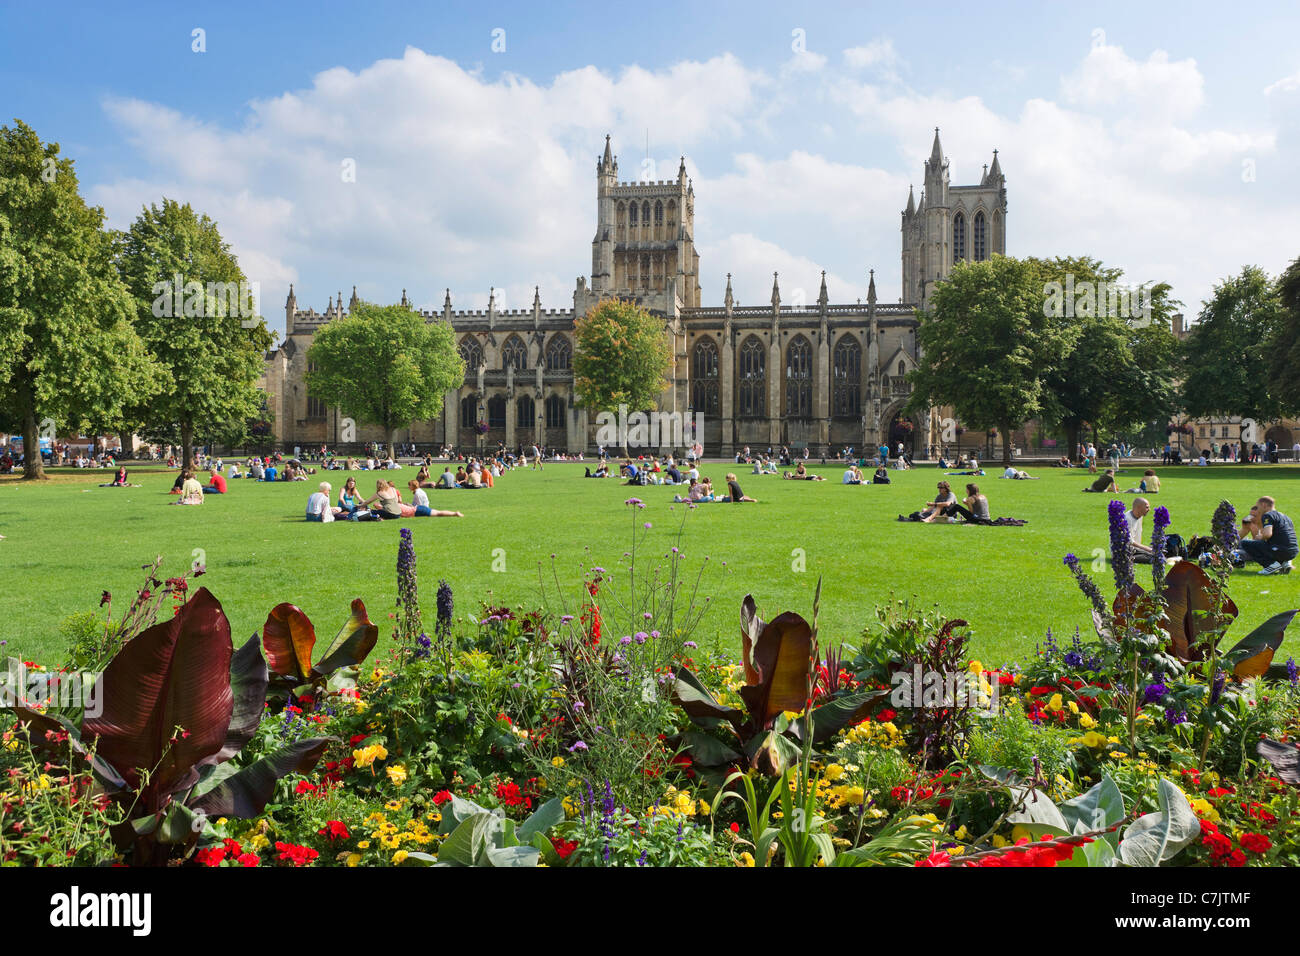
1274, 545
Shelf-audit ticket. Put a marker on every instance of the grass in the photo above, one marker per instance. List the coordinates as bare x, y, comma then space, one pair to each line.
67, 540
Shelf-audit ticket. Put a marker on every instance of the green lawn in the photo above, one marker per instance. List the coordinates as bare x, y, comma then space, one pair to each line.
67, 540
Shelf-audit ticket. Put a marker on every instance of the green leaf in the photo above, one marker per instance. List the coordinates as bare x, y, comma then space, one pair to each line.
1252, 655
231, 791
1156, 838
542, 819
1100, 807
707, 750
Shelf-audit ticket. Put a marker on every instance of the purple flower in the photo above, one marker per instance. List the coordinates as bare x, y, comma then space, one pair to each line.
1161, 517
1175, 715
1217, 688
445, 607
691, 644
625, 640
640, 637
635, 501
647, 525
1154, 693
577, 745
1087, 586
1121, 561
1224, 526
1292, 672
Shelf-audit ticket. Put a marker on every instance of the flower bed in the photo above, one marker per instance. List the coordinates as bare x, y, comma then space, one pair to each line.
592, 731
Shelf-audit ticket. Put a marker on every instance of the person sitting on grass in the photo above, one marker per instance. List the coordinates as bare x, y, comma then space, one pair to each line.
852, 476
446, 479
318, 505
420, 503
233, 471
881, 477
119, 480
1064, 462
974, 507
270, 473
216, 483
1272, 541
1104, 483
191, 490
385, 502
936, 509
1149, 485
1137, 547
349, 497
734, 493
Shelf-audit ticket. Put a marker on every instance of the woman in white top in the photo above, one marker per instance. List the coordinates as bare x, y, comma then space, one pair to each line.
420, 498
318, 505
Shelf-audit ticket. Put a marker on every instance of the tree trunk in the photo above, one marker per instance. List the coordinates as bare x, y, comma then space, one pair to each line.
1006, 444
124, 439
1072, 441
187, 445
33, 468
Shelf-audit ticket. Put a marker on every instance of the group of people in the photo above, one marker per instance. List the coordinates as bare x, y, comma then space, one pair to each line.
701, 491
853, 475
385, 503
945, 508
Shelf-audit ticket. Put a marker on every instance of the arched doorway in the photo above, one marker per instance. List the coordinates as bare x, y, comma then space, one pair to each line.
902, 429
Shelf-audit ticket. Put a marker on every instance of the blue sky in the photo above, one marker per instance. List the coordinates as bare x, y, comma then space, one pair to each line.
1160, 138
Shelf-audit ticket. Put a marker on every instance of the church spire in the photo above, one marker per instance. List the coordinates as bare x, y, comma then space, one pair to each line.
995, 171
822, 297
911, 202
776, 292
608, 159
405, 301
727, 299
936, 151
871, 289
354, 301
681, 171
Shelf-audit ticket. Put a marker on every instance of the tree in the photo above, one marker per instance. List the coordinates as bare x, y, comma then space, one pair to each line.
68, 352
1120, 371
194, 311
621, 356
385, 366
1284, 356
1226, 357
988, 346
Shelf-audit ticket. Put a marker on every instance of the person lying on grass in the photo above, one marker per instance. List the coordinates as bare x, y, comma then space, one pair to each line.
1105, 483
1017, 475
801, 473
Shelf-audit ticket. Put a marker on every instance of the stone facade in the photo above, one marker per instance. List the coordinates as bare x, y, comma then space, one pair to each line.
821, 375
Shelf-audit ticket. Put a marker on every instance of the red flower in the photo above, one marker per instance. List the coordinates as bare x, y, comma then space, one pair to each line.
441, 797
563, 847
334, 830
296, 855
249, 859
1256, 842
303, 787
936, 858
212, 857
734, 828
886, 715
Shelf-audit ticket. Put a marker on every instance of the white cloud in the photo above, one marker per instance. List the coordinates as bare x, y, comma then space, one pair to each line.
878, 55
1110, 79
1288, 84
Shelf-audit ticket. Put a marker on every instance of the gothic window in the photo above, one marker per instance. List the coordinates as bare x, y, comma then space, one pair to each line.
554, 411
704, 377
559, 354
514, 354
645, 268
958, 238
659, 220
752, 379
997, 231
672, 219
632, 214
315, 406
645, 212
468, 411
902, 367
848, 378
798, 378
472, 353
621, 218
497, 411
981, 250
525, 412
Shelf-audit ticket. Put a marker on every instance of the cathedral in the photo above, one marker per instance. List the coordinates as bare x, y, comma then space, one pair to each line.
820, 375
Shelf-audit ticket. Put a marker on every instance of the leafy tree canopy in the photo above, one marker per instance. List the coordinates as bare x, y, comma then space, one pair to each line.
622, 356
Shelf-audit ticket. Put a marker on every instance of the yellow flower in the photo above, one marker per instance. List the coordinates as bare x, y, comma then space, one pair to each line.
557, 761
1074, 708
397, 774
1087, 721
976, 667
1094, 739
366, 756
400, 856
363, 845
1204, 809
746, 859
353, 859
1055, 703
834, 772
